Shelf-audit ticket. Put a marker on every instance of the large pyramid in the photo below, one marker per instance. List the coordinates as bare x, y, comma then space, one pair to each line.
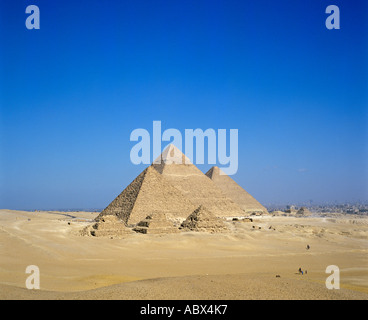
149, 193
235, 192
175, 167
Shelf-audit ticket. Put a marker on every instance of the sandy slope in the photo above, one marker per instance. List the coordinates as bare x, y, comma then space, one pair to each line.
241, 264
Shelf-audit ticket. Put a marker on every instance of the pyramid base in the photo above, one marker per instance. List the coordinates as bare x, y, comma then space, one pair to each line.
205, 229
147, 230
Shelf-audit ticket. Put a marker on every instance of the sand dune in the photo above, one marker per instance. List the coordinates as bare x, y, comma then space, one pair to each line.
199, 287
241, 263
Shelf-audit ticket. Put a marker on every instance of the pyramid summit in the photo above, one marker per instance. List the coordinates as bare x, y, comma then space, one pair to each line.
235, 192
172, 155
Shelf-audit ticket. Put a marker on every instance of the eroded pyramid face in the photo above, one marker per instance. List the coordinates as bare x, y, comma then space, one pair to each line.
241, 197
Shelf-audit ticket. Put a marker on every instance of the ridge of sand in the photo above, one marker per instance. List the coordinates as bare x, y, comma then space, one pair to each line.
240, 264
198, 287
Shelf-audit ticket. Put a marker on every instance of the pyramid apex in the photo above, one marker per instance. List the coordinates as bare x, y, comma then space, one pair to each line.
171, 147
172, 155
215, 170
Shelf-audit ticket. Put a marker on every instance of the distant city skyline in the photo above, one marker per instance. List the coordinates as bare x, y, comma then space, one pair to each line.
73, 91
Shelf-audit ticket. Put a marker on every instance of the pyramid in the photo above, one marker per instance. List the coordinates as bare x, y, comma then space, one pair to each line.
107, 226
175, 167
155, 223
235, 192
149, 193
203, 220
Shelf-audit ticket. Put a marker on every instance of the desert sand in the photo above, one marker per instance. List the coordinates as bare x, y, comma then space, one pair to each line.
241, 263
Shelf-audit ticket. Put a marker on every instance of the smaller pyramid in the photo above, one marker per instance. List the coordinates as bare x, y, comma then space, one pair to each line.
107, 226
203, 220
235, 192
156, 223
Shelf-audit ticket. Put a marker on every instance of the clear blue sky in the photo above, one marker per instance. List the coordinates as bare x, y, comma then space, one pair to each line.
71, 93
